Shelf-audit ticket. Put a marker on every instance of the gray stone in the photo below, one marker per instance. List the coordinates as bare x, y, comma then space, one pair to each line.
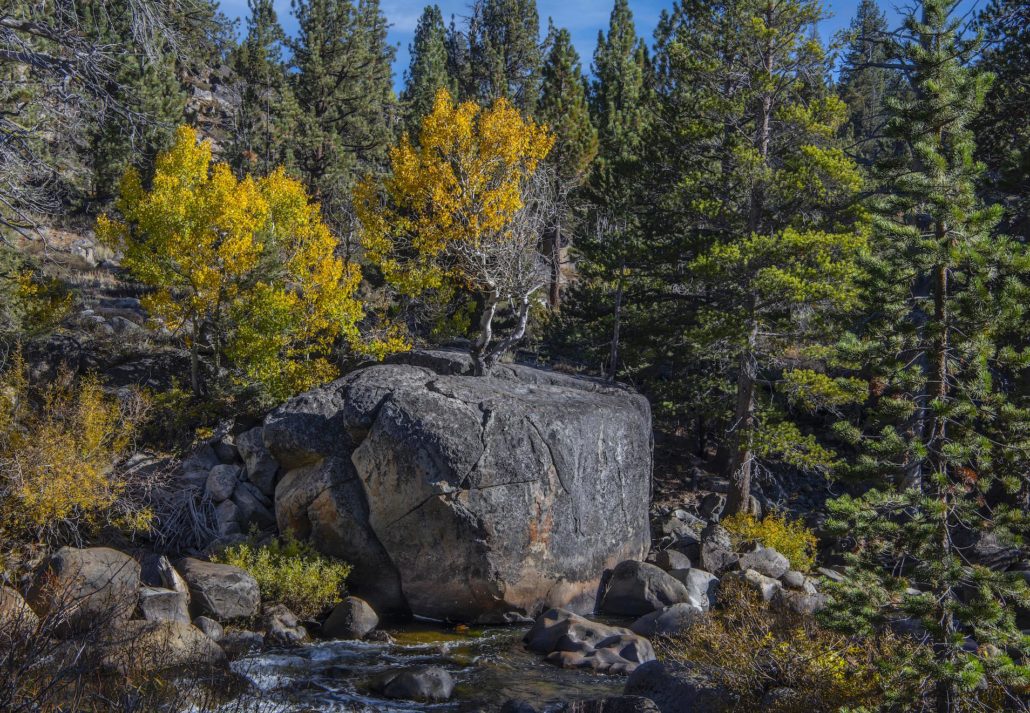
831, 574
416, 683
240, 642
16, 616
671, 559
712, 506
764, 560
282, 628
157, 604
201, 460
792, 579
210, 627
637, 588
572, 641
226, 451
220, 591
222, 481
702, 587
87, 588
681, 689
262, 468
227, 515
464, 498
151, 646
251, 510
798, 602
672, 621
717, 554
765, 587
353, 618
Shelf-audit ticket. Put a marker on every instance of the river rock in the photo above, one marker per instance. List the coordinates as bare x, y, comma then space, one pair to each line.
672, 621
282, 628
353, 618
157, 604
416, 683
90, 588
676, 688
637, 588
240, 642
572, 641
466, 498
220, 591
148, 646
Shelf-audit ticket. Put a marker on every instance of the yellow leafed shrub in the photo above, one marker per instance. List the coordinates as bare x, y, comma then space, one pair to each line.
291, 572
788, 537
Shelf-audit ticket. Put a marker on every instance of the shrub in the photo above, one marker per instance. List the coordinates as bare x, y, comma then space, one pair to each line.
752, 649
59, 445
291, 572
788, 537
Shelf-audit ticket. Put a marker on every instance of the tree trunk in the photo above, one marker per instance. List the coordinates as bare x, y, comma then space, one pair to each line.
195, 360
613, 355
742, 434
479, 348
554, 292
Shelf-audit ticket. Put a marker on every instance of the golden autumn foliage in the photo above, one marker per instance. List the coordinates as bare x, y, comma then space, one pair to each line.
247, 267
461, 183
58, 449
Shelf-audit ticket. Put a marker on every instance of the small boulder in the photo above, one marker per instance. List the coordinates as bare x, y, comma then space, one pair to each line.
572, 641
282, 628
764, 560
672, 621
262, 468
240, 642
87, 588
156, 604
702, 587
637, 588
226, 450
201, 460
252, 511
799, 602
677, 688
352, 618
16, 616
209, 626
222, 481
712, 506
792, 579
416, 683
221, 591
671, 559
764, 587
227, 515
148, 646
717, 554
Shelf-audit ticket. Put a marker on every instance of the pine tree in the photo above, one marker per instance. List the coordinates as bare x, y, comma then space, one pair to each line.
267, 113
427, 72
865, 82
504, 52
563, 108
343, 86
947, 439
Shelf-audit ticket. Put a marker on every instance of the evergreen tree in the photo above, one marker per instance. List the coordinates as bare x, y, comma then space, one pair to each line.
947, 439
865, 82
267, 113
427, 72
504, 52
563, 107
343, 86
1003, 127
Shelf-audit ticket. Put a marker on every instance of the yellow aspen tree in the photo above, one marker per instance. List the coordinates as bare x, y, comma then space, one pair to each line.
465, 205
246, 268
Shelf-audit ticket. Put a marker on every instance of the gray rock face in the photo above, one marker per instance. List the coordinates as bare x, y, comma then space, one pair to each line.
679, 689
463, 498
672, 621
261, 467
352, 618
702, 587
253, 507
637, 588
89, 588
220, 591
671, 559
571, 641
417, 683
156, 604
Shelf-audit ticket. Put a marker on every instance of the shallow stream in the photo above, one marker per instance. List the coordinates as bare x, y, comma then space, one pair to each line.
490, 667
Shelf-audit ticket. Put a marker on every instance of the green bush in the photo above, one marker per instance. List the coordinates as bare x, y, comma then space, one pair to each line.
788, 537
291, 572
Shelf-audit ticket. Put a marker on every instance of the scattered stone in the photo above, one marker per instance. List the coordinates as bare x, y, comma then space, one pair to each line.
156, 604
209, 626
765, 561
241, 642
282, 628
221, 591
792, 579
831, 574
712, 506
637, 588
702, 587
572, 641
88, 588
680, 689
226, 451
261, 466
221, 482
352, 618
765, 587
675, 620
416, 683
798, 602
717, 554
671, 559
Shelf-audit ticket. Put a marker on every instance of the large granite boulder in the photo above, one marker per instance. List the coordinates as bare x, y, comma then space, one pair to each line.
86, 589
466, 498
220, 591
637, 588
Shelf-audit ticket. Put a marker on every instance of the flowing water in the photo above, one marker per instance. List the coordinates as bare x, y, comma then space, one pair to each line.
490, 667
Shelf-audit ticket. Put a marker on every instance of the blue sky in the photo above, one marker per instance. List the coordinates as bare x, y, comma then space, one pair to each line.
583, 18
